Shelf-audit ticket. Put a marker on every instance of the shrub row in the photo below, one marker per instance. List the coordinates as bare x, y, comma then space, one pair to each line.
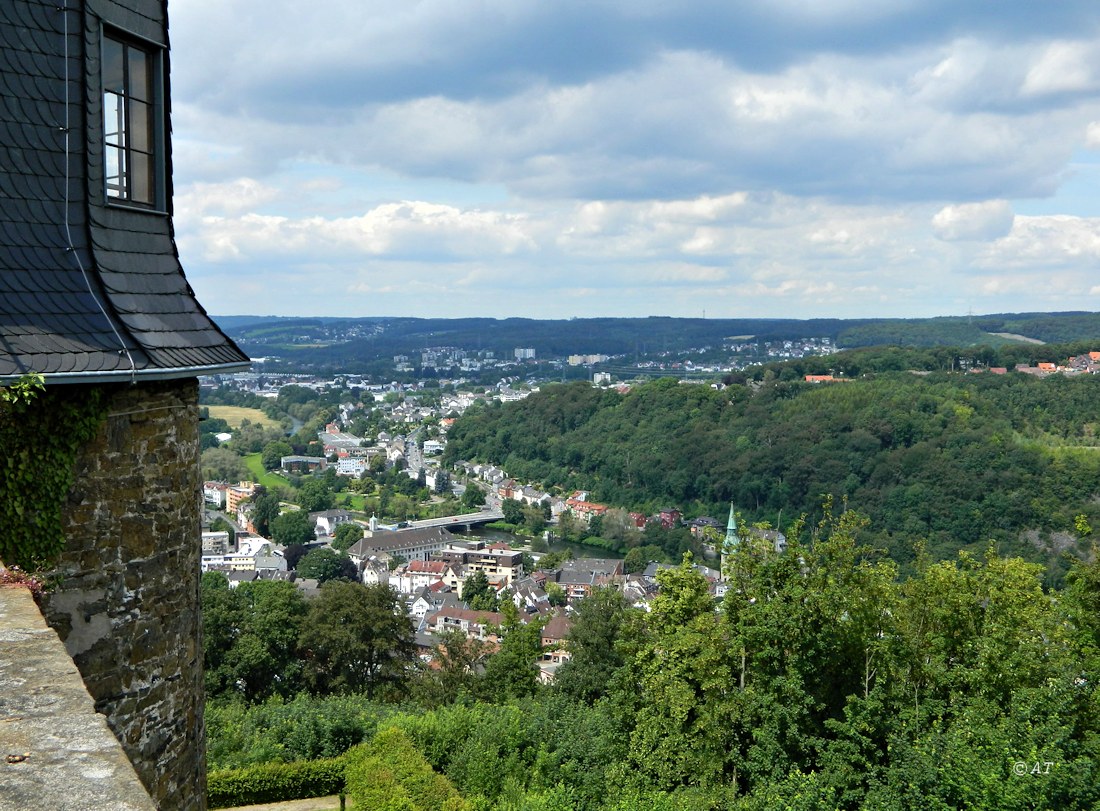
275, 782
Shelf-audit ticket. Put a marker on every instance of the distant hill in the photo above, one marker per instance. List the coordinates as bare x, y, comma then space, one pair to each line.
353, 344
956, 460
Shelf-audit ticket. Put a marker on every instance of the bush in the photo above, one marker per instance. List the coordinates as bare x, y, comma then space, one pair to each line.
275, 782
389, 773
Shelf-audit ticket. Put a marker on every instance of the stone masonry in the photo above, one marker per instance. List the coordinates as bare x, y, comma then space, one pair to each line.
127, 606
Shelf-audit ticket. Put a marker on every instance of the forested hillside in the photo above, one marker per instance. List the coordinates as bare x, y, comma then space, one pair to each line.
955, 460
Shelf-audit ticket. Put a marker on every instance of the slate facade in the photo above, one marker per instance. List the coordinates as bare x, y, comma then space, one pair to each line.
91, 287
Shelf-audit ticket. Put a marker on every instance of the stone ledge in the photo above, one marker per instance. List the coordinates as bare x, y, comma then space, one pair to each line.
73, 761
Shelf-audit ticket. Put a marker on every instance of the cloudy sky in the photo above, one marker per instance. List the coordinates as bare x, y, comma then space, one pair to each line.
726, 158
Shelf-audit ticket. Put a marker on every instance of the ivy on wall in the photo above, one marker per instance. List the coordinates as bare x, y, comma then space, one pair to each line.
41, 432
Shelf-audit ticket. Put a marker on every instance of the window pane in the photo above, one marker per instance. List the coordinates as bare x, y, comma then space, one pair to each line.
141, 126
141, 74
141, 178
115, 167
113, 123
113, 75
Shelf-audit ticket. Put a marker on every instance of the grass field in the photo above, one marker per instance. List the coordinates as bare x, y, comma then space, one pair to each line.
234, 415
261, 476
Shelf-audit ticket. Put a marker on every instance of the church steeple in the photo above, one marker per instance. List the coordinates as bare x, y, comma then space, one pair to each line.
730, 544
731, 532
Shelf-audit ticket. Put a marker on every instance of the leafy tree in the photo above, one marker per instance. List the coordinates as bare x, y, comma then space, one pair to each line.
513, 511
292, 527
533, 519
473, 497
346, 536
512, 671
457, 661
595, 652
273, 453
326, 564
357, 638
556, 595
638, 558
315, 495
478, 593
250, 637
294, 553
223, 465
265, 509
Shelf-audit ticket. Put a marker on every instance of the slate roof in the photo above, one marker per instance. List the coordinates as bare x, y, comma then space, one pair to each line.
88, 292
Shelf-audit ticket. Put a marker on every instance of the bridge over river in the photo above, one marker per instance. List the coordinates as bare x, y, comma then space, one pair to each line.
459, 522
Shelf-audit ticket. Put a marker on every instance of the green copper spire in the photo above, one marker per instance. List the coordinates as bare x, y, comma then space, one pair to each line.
731, 531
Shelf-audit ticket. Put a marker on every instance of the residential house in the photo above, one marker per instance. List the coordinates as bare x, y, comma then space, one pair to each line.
669, 518
234, 495
215, 543
579, 505
213, 493
500, 564
472, 624
410, 577
326, 521
580, 577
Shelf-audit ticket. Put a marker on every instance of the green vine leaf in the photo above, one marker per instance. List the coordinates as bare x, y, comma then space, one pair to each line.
41, 432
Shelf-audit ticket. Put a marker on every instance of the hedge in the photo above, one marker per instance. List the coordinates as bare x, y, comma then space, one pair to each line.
275, 782
390, 774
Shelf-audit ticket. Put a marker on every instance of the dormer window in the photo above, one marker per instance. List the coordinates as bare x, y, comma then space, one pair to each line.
131, 123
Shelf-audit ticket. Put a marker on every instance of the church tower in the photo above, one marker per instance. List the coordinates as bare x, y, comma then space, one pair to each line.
732, 541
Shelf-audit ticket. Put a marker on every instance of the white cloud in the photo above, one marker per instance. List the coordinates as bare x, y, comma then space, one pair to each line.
977, 221
1092, 135
1041, 243
633, 157
1064, 67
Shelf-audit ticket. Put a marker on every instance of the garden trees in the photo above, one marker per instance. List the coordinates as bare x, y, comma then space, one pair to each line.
223, 465
250, 637
594, 646
473, 497
346, 536
273, 453
478, 594
456, 672
513, 511
315, 495
292, 527
265, 509
357, 638
325, 564
512, 671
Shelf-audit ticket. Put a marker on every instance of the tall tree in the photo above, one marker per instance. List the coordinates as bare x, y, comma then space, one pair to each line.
265, 509
595, 654
513, 670
315, 495
357, 638
292, 527
326, 564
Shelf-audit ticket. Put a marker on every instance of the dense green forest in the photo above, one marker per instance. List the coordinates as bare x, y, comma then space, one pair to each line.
820, 681
953, 460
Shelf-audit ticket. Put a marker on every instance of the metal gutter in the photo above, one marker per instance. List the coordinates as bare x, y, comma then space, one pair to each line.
121, 375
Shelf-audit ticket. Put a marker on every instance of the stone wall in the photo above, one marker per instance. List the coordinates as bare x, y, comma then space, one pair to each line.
127, 605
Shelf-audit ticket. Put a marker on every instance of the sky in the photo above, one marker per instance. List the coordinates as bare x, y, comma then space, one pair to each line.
717, 158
